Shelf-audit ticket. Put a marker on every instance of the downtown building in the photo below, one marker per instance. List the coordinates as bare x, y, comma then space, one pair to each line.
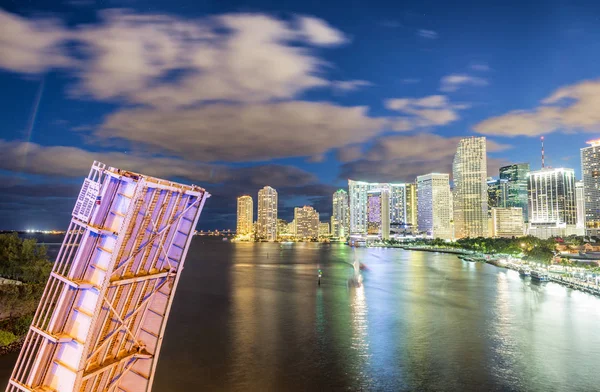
552, 204
517, 177
266, 224
378, 213
340, 215
306, 222
434, 198
245, 215
590, 171
470, 188
580, 202
395, 205
507, 222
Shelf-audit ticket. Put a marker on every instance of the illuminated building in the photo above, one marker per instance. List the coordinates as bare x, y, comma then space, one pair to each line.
433, 197
470, 188
580, 201
378, 213
507, 222
552, 205
497, 191
340, 215
307, 222
590, 171
324, 229
245, 208
291, 227
516, 192
411, 205
357, 194
397, 204
102, 318
267, 214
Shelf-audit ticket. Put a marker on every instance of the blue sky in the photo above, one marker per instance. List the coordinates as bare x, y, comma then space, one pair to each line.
297, 95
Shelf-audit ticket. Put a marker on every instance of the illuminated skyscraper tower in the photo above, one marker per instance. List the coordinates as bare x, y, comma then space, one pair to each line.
358, 206
307, 222
101, 320
470, 188
590, 170
516, 176
340, 215
433, 197
267, 214
245, 215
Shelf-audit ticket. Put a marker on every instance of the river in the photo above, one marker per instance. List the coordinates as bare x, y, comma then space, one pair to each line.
251, 317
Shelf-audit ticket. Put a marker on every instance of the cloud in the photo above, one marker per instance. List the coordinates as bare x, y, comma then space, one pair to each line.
428, 34
481, 67
31, 46
350, 85
453, 82
433, 110
318, 32
402, 158
233, 133
569, 108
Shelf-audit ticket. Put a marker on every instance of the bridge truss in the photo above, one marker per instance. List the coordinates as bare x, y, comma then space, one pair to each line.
102, 317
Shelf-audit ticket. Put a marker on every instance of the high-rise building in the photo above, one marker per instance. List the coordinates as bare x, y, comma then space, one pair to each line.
340, 215
497, 193
433, 197
580, 202
267, 214
378, 213
411, 205
307, 222
517, 177
470, 188
245, 208
324, 229
282, 227
507, 222
552, 205
357, 194
590, 171
397, 204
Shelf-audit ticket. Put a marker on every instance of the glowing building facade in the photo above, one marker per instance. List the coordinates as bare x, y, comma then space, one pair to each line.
307, 222
433, 196
590, 171
245, 215
101, 320
411, 206
357, 194
507, 222
516, 176
470, 188
340, 215
552, 204
378, 213
580, 201
267, 214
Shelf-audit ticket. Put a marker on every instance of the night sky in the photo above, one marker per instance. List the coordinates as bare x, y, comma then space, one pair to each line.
299, 95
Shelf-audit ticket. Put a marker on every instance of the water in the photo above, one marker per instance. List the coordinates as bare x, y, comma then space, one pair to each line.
251, 317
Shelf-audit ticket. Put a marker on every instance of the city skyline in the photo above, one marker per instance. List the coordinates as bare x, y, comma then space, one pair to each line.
378, 96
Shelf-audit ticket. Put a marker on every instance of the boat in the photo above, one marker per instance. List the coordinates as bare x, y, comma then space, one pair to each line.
540, 276
524, 271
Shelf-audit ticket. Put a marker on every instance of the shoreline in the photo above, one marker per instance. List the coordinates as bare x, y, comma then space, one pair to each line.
13, 347
571, 284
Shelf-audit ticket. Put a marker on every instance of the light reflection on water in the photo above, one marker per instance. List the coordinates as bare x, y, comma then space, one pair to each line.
251, 317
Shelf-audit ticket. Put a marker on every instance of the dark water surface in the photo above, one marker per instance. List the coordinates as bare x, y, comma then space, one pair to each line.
250, 317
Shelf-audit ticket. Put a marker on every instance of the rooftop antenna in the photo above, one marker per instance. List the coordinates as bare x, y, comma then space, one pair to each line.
542, 138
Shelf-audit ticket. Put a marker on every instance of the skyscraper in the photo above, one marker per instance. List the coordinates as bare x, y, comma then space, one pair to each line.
324, 229
517, 177
411, 205
580, 201
378, 213
267, 214
397, 204
590, 171
358, 206
497, 193
307, 222
552, 206
340, 217
433, 197
470, 188
245, 208
507, 222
